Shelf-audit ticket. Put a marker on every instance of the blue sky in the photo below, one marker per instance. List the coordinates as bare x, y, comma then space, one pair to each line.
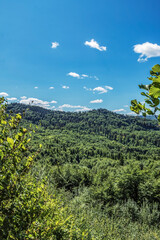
77, 55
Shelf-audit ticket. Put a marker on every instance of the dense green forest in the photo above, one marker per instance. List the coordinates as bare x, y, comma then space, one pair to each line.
103, 169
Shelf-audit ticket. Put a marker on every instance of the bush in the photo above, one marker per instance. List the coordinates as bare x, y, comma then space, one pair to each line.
27, 211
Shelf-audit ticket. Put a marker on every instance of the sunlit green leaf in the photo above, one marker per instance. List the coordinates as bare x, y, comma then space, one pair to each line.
156, 79
156, 68
10, 141
154, 91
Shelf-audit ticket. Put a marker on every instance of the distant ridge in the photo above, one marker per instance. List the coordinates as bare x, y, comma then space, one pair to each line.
90, 120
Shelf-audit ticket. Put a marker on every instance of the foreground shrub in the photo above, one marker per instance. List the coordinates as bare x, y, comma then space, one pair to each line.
27, 211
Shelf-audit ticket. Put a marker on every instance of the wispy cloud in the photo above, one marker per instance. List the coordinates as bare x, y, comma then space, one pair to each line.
12, 99
69, 106
53, 101
4, 94
109, 88
94, 44
24, 97
55, 44
51, 87
147, 50
97, 101
96, 78
36, 87
76, 108
65, 87
84, 109
81, 76
131, 113
35, 102
88, 89
85, 75
99, 90
119, 110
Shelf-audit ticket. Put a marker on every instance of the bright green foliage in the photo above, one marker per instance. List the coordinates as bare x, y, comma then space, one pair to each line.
152, 94
27, 211
103, 166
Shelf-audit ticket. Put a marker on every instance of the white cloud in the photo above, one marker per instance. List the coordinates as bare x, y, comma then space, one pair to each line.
12, 99
65, 87
53, 101
36, 87
94, 44
96, 78
35, 102
85, 75
81, 76
4, 94
97, 101
69, 106
109, 88
77, 108
147, 50
88, 89
51, 88
126, 106
119, 110
73, 74
131, 113
83, 109
52, 107
100, 90
55, 44
24, 97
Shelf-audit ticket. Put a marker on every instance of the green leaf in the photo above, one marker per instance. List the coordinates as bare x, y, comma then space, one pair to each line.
134, 102
1, 154
10, 141
154, 91
18, 116
144, 94
149, 112
31, 236
145, 87
155, 101
3, 122
24, 130
148, 101
137, 107
156, 68
156, 79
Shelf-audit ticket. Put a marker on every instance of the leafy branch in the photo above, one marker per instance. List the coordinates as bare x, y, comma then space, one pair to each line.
151, 92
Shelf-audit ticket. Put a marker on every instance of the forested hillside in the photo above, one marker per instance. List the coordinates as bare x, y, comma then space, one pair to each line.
103, 166
101, 132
